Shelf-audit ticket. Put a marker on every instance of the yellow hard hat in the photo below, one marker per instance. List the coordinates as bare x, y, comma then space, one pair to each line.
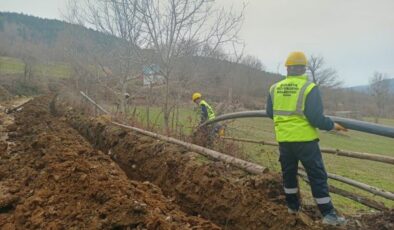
196, 96
296, 58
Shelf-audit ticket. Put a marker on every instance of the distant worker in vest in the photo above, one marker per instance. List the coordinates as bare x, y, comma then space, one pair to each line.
296, 107
206, 114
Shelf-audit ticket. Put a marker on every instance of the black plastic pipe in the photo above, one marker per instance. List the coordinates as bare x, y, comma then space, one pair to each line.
362, 126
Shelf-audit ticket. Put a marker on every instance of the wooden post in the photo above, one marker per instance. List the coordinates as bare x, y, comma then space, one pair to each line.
357, 184
355, 197
360, 185
365, 187
247, 166
358, 155
94, 103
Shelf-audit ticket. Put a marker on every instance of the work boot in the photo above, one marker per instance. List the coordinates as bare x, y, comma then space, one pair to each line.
292, 211
333, 219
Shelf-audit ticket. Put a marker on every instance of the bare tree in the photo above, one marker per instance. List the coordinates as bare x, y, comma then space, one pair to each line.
29, 63
173, 26
117, 18
253, 62
321, 75
172, 29
380, 92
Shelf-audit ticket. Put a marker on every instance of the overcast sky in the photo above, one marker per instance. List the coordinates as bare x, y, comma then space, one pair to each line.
355, 36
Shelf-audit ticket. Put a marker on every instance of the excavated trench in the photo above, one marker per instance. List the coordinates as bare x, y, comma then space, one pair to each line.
227, 196
52, 178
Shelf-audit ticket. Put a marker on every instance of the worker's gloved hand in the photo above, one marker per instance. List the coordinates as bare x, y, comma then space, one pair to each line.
338, 127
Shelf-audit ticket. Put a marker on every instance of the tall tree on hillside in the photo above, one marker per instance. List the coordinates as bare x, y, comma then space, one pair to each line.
253, 62
321, 75
380, 92
119, 19
170, 23
168, 27
29, 63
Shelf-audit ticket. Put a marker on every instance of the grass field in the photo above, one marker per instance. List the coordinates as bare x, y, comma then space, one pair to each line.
10, 65
374, 173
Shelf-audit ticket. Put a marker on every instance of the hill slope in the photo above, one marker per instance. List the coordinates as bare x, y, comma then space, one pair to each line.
40, 30
365, 88
54, 40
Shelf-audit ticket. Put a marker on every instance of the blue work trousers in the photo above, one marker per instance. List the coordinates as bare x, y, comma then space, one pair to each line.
310, 156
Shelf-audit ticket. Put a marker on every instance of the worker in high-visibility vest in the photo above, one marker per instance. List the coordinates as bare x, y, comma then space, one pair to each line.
207, 113
296, 107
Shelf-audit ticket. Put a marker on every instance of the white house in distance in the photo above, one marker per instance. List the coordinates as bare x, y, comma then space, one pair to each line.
152, 76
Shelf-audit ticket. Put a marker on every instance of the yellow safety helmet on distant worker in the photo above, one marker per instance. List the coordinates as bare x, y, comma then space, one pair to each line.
296, 58
196, 96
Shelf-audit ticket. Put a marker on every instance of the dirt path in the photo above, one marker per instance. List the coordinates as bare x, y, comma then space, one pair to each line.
53, 179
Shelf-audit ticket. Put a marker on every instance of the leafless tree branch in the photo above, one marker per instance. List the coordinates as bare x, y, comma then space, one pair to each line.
322, 76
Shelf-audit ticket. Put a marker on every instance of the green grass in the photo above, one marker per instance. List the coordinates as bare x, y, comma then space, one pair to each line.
186, 122
58, 70
382, 121
10, 65
374, 173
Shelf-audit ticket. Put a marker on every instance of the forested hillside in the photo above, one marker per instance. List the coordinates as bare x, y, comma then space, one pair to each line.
46, 40
244, 84
366, 88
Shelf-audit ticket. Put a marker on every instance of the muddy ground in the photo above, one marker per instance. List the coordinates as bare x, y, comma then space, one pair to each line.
51, 177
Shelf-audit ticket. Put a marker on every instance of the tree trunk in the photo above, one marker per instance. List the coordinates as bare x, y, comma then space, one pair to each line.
314, 77
122, 96
177, 120
147, 116
26, 72
166, 109
173, 120
230, 96
148, 107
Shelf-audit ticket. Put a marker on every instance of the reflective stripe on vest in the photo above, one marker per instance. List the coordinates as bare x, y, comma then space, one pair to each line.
288, 99
211, 113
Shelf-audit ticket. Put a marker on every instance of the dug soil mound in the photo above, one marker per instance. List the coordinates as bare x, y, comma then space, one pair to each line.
51, 178
227, 196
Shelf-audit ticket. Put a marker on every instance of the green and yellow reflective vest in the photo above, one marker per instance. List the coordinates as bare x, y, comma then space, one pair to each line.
211, 113
288, 99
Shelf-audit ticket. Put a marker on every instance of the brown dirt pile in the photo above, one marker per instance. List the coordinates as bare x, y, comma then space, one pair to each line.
53, 179
378, 221
229, 197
